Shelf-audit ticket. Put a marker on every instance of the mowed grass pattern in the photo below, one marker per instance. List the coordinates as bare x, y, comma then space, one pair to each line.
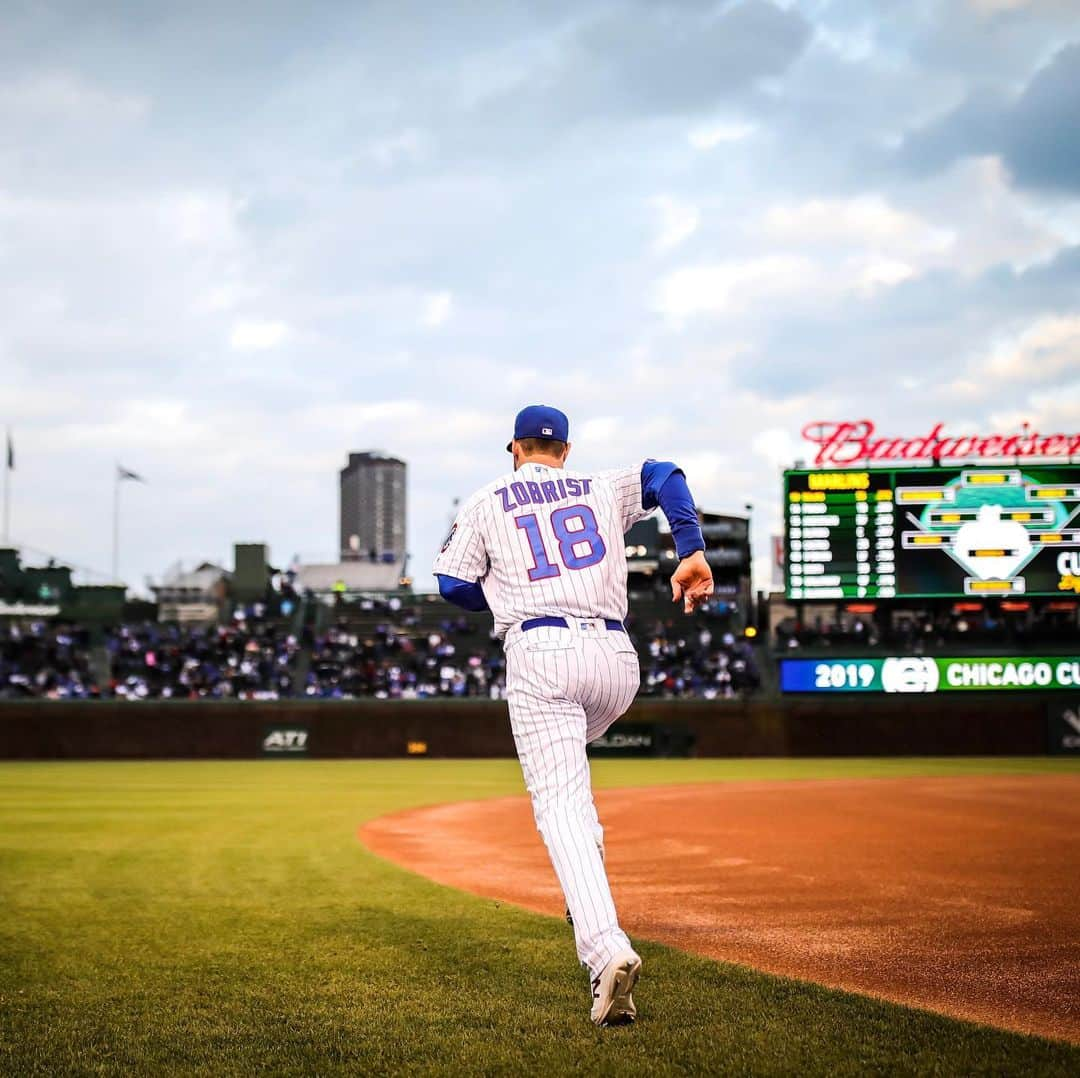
222, 918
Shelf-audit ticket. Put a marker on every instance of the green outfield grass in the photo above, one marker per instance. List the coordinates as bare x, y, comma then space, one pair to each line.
222, 918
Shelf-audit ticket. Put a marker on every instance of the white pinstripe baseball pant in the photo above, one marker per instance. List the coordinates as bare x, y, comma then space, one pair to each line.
565, 687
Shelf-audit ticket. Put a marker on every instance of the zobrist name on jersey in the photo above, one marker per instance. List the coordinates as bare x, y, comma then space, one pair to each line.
529, 492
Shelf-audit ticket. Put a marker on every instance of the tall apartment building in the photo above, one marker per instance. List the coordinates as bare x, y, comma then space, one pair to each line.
373, 507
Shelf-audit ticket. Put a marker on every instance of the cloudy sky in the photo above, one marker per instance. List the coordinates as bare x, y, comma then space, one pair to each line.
238, 240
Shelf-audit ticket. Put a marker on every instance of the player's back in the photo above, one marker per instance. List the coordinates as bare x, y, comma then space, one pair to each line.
553, 542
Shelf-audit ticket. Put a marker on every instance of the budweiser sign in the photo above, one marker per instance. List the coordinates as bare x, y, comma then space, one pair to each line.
858, 441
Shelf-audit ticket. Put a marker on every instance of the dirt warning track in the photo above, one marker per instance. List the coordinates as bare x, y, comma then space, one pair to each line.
956, 894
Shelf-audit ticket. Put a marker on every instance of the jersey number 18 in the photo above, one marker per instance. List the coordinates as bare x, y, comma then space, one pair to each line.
584, 534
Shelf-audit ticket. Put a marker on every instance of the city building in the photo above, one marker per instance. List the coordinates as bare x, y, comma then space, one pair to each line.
372, 513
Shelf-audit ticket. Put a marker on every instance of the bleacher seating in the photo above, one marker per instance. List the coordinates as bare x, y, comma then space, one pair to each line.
401, 646
52, 661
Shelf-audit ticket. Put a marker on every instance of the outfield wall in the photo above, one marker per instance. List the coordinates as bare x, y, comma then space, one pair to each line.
977, 724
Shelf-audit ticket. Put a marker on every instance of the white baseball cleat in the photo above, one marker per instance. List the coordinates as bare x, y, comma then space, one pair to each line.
612, 1003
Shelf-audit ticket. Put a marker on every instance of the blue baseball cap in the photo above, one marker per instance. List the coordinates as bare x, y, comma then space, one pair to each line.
541, 421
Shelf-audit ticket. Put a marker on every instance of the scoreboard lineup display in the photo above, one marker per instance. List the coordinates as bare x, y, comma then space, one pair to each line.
932, 532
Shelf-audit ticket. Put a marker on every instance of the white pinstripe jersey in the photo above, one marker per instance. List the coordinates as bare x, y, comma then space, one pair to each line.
546, 541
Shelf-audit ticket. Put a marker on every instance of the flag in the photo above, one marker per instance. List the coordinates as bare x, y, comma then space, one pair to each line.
124, 473
10, 453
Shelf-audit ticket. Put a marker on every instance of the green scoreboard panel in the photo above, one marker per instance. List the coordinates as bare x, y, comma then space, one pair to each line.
922, 674
932, 532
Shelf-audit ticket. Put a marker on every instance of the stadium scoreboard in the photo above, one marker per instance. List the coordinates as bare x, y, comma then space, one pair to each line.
931, 532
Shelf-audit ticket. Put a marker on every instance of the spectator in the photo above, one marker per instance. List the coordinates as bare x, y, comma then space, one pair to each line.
379, 648
387, 663
247, 659
45, 661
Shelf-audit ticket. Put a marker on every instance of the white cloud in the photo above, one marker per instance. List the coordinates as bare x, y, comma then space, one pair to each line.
201, 219
437, 309
224, 297
1045, 352
725, 287
402, 425
856, 247
1050, 412
408, 145
712, 135
866, 221
778, 446
987, 220
148, 425
854, 44
996, 7
874, 274
1048, 349
347, 417
969, 219
57, 96
251, 335
598, 430
678, 221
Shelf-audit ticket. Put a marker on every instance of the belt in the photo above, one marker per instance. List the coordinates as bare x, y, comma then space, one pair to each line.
561, 623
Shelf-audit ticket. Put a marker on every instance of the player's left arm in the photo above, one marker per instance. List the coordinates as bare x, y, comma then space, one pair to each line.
663, 484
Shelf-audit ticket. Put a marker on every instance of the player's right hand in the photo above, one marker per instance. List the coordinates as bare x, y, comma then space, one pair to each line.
692, 581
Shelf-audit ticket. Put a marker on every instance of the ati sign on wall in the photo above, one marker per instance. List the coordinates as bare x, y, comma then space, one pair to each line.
284, 741
922, 674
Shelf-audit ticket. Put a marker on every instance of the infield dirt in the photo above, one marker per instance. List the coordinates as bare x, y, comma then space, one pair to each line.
954, 894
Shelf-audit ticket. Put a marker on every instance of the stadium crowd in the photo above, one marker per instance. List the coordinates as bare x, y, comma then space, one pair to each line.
390, 662
49, 661
246, 659
374, 648
387, 649
694, 660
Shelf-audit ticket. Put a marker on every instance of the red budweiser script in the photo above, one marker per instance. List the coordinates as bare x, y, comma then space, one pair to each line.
846, 443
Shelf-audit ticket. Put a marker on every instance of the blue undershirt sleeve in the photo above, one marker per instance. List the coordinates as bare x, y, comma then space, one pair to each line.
677, 505
466, 594
654, 473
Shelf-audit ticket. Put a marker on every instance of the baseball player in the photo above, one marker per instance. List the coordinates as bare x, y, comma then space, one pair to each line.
542, 547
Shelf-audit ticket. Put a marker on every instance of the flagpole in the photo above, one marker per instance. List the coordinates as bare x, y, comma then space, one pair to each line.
116, 525
7, 489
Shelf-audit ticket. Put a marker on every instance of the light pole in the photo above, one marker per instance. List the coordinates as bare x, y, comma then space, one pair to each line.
116, 525
9, 467
752, 607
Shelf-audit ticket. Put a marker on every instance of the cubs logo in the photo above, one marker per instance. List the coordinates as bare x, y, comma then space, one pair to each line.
449, 538
909, 674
